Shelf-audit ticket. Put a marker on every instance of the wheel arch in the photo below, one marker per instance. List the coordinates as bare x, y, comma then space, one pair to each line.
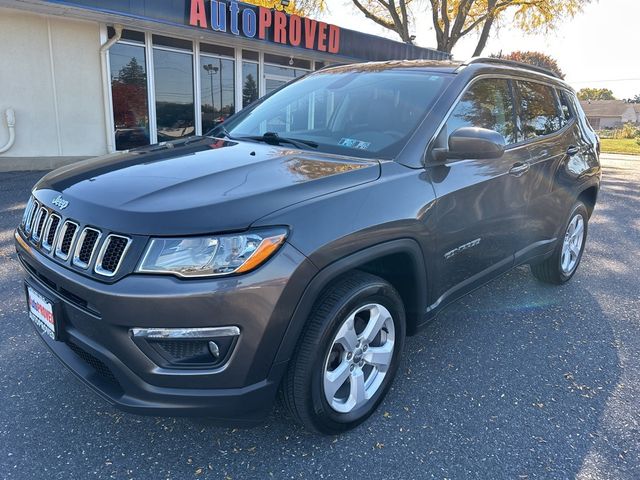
386, 260
589, 197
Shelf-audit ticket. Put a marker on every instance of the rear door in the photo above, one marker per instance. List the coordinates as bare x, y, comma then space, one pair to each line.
480, 209
546, 126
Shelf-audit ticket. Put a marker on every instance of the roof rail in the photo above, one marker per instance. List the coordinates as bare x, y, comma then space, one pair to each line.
510, 63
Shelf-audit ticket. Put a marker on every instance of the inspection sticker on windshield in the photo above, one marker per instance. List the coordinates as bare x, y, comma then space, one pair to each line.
353, 143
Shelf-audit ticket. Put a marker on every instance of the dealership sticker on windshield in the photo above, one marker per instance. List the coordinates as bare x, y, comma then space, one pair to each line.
353, 143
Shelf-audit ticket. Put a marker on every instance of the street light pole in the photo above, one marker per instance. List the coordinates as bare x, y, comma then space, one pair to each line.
212, 70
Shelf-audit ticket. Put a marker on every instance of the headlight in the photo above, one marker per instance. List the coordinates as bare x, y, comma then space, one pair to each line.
210, 256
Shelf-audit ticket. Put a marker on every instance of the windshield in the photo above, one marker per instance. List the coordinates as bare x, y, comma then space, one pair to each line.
347, 111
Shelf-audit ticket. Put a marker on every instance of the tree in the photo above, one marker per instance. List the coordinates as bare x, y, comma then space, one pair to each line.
595, 94
538, 59
453, 19
391, 14
249, 90
298, 7
635, 99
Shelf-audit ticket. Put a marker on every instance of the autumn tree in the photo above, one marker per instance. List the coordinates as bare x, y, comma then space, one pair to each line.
537, 59
299, 7
595, 94
454, 19
391, 14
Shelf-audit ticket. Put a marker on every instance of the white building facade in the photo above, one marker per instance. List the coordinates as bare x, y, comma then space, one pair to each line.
84, 80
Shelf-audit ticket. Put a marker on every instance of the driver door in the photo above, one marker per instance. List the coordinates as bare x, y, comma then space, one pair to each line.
480, 208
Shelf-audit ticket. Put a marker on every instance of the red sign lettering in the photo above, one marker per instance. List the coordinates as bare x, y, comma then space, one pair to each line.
198, 17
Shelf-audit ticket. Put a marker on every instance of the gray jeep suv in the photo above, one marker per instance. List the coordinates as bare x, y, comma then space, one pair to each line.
295, 246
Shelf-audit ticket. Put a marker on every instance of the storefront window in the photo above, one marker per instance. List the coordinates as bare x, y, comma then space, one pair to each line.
129, 94
217, 82
173, 72
249, 83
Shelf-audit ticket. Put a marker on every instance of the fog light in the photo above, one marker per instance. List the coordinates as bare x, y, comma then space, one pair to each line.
187, 347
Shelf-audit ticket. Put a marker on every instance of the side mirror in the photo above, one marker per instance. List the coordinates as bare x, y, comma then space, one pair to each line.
472, 143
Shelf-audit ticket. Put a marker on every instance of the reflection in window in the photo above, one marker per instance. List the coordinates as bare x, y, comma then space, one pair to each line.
217, 90
286, 72
487, 104
564, 106
249, 83
129, 93
174, 94
538, 110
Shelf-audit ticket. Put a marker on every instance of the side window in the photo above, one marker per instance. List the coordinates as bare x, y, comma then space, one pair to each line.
486, 104
539, 113
565, 108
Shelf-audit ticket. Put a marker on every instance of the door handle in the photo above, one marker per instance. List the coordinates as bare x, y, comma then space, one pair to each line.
573, 150
519, 169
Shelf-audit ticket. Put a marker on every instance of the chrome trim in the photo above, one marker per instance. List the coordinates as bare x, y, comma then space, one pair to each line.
42, 216
47, 230
76, 253
98, 267
58, 253
32, 213
177, 333
27, 212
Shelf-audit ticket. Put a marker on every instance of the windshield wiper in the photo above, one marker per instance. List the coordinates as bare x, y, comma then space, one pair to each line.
272, 138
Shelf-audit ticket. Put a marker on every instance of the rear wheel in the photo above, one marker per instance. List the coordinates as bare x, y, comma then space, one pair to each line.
348, 355
562, 265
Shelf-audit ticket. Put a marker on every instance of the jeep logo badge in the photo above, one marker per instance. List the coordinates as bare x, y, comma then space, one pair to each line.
60, 202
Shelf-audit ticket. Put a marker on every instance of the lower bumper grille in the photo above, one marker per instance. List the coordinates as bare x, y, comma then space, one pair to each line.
99, 366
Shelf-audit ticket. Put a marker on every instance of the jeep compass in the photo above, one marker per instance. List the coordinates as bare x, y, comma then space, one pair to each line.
290, 251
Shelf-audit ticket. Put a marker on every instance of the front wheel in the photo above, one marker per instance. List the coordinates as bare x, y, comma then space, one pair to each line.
563, 263
348, 354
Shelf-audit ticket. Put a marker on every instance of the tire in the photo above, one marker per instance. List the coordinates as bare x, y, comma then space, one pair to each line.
552, 270
322, 354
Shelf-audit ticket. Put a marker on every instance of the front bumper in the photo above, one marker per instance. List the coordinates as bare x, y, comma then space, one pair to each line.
97, 346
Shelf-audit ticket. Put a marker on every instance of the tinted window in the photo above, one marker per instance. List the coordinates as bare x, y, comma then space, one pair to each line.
565, 108
249, 83
129, 93
486, 104
174, 94
217, 90
538, 110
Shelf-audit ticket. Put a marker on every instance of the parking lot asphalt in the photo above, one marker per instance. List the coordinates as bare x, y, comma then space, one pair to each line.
518, 380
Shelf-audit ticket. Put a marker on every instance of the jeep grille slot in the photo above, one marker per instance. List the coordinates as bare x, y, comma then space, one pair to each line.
51, 229
31, 217
65, 239
39, 226
27, 213
111, 255
87, 243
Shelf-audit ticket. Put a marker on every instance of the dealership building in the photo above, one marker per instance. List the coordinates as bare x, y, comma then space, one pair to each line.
81, 78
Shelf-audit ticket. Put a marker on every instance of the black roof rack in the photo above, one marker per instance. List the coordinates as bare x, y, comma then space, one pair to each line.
510, 63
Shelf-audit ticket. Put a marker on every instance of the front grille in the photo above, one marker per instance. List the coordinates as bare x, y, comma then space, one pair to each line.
71, 244
50, 231
111, 254
99, 366
40, 222
67, 236
32, 211
86, 246
27, 212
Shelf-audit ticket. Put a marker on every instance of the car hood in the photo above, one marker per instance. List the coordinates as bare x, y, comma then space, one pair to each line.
195, 186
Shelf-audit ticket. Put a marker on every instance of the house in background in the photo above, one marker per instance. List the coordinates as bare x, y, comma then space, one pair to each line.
608, 114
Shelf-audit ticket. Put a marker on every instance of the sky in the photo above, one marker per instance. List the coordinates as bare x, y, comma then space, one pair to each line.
600, 47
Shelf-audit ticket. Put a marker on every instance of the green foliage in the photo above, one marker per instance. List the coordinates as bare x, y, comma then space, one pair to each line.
628, 131
595, 94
